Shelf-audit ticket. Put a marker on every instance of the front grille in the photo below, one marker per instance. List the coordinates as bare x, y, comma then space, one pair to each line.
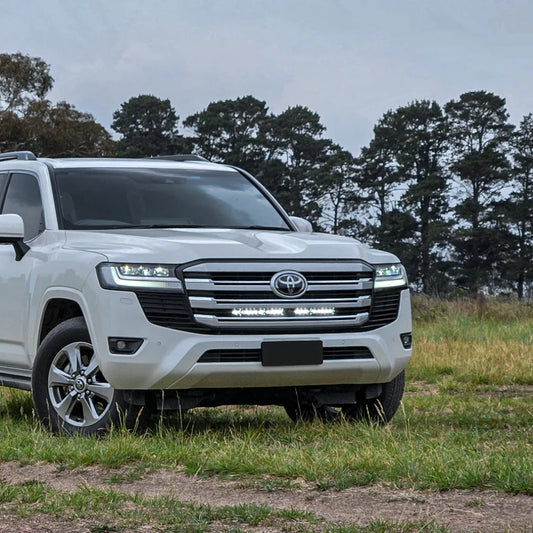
266, 276
238, 296
335, 353
215, 290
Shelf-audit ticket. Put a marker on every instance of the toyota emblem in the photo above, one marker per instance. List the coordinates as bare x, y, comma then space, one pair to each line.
288, 284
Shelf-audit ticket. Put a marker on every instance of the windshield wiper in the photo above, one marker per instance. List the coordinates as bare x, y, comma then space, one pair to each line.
163, 226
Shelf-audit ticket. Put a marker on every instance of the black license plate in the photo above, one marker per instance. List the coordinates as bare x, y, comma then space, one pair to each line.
288, 353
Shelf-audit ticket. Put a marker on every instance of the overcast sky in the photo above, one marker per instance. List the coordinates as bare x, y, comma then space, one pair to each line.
348, 60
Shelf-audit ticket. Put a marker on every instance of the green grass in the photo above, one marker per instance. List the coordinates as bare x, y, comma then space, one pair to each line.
109, 511
466, 422
441, 441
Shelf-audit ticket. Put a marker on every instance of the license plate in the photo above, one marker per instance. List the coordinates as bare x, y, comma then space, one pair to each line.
289, 353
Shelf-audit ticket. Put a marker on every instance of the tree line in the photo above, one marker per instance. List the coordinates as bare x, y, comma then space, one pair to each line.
448, 188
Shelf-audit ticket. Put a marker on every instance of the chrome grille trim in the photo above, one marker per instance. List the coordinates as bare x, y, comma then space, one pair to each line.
269, 322
250, 286
215, 289
212, 303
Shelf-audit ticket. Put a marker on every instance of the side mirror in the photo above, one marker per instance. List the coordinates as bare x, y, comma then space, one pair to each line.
12, 232
302, 225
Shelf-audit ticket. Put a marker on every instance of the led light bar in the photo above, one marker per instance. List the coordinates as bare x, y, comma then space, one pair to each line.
258, 311
314, 311
282, 312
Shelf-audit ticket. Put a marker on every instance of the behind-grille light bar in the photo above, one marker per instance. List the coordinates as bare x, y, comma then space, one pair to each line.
258, 311
314, 311
280, 311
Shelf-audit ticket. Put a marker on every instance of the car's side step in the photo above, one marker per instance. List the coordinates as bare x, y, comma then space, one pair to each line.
15, 381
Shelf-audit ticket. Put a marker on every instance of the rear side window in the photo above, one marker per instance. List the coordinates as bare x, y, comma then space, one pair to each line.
3, 179
23, 198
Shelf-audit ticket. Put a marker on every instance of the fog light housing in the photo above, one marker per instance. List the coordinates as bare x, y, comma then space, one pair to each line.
120, 345
407, 340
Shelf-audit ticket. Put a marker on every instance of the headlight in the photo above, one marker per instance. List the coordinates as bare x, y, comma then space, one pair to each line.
129, 276
388, 276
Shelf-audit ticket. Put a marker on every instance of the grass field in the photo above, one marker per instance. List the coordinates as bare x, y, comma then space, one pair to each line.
466, 422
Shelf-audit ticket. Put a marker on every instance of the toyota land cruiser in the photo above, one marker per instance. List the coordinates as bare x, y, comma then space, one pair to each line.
129, 285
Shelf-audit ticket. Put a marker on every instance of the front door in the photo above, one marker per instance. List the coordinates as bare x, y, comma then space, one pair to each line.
23, 198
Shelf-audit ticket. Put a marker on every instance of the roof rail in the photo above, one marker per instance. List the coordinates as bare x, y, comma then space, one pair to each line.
180, 157
26, 156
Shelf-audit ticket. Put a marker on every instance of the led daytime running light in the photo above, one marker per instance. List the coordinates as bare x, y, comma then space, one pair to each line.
389, 276
138, 276
144, 271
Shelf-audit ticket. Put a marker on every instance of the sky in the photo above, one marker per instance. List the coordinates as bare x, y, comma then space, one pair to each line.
348, 60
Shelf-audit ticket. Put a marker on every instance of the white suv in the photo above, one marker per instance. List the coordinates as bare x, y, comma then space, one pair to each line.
133, 285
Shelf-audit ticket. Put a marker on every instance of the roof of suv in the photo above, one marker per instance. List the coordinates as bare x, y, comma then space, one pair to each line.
184, 161
102, 162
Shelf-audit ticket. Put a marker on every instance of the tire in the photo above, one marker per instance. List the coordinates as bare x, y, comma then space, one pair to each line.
70, 393
378, 410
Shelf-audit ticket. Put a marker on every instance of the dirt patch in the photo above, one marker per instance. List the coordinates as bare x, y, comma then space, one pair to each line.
423, 388
461, 511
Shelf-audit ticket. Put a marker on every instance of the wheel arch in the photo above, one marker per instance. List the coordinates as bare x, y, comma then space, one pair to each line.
58, 305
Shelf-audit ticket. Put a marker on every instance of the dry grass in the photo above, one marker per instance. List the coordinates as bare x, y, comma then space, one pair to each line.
429, 309
468, 342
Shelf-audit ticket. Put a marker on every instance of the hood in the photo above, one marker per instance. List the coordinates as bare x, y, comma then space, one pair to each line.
179, 246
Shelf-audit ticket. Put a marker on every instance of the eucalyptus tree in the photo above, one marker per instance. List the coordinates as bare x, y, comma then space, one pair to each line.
61, 130
30, 122
23, 79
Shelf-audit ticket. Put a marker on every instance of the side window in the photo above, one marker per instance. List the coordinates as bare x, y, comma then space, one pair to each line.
24, 198
3, 179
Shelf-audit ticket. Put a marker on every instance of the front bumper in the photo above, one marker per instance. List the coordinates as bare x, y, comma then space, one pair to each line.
168, 359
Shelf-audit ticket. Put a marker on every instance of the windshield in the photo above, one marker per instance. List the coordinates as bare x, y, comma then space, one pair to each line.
99, 198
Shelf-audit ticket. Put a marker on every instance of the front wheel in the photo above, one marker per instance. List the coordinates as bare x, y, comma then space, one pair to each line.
379, 410
70, 393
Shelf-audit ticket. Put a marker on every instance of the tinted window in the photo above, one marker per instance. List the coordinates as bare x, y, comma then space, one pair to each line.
3, 179
24, 198
104, 198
